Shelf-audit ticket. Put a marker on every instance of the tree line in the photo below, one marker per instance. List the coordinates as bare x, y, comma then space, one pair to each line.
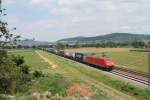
134, 44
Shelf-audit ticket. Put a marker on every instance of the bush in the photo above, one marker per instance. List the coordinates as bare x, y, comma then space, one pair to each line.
9, 75
25, 69
25, 75
12, 73
19, 60
38, 74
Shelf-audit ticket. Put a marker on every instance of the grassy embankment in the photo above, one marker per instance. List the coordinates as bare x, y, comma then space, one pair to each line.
59, 79
121, 56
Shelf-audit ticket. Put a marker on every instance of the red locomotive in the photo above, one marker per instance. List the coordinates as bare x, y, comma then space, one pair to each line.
102, 62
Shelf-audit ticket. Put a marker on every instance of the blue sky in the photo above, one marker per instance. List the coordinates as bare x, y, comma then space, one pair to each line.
50, 20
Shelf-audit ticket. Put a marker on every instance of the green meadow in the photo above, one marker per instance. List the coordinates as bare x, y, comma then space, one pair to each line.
58, 80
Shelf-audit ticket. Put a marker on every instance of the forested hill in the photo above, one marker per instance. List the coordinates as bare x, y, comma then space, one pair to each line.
114, 37
29, 42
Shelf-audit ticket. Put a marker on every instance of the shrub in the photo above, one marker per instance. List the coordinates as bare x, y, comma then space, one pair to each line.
12, 73
25, 69
19, 60
38, 74
9, 75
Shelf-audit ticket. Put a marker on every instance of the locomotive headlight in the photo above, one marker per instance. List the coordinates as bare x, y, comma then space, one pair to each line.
108, 64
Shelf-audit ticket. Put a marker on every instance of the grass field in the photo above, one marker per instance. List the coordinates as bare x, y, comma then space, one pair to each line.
67, 72
121, 56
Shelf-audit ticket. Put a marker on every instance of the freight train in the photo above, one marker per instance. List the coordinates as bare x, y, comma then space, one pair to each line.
101, 62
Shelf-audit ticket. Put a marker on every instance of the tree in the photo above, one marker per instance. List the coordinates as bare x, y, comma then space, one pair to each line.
9, 76
5, 35
138, 44
19, 46
33, 46
12, 73
77, 45
60, 46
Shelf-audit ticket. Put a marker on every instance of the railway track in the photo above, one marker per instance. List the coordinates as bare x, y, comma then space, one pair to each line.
139, 77
132, 75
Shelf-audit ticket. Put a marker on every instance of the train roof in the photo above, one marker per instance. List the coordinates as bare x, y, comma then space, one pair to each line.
98, 57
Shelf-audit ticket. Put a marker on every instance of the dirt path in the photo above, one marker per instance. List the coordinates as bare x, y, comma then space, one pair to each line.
46, 60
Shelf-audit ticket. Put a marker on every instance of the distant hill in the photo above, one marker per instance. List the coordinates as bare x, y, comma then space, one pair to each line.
29, 42
114, 37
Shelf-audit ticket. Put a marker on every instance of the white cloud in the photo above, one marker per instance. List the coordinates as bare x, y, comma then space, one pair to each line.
9, 1
42, 3
36, 1
69, 18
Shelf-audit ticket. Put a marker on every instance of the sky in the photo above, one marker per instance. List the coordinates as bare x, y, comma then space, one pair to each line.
51, 20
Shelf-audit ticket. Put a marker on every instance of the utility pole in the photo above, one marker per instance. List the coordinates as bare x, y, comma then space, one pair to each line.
148, 70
